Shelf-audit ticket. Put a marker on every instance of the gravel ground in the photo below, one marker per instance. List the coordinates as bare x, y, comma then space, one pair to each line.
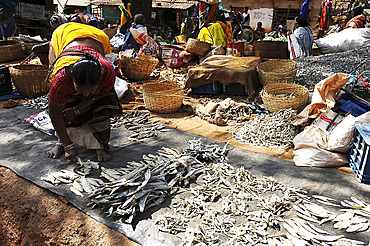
313, 69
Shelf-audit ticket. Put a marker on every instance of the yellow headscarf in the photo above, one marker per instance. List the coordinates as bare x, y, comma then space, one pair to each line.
68, 32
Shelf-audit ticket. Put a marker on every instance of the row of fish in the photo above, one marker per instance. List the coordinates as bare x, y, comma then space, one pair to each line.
269, 130
139, 123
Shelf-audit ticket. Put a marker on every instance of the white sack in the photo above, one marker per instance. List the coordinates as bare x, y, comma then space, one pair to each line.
120, 86
341, 137
307, 151
348, 39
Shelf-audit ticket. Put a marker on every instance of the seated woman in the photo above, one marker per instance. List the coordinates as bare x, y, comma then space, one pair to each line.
259, 31
219, 33
304, 35
132, 42
82, 98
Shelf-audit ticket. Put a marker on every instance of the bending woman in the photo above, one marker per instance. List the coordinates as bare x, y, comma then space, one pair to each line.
82, 98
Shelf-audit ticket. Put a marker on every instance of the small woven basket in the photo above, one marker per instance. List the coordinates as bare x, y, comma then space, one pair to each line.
10, 50
274, 96
277, 70
30, 79
137, 68
163, 97
197, 47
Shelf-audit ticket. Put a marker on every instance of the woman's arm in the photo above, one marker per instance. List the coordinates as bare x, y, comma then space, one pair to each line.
56, 116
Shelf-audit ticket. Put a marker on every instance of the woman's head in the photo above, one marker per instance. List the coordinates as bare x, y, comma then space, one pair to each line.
139, 19
302, 21
220, 16
86, 73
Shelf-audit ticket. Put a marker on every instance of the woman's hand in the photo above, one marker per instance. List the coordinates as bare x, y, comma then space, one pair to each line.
71, 155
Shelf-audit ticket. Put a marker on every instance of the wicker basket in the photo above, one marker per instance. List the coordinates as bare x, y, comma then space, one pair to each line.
277, 70
30, 79
162, 97
11, 50
137, 68
274, 96
197, 46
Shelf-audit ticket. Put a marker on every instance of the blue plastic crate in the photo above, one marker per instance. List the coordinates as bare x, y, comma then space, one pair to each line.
360, 151
361, 178
213, 88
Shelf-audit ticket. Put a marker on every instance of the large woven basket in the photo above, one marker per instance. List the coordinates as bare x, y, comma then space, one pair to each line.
163, 97
277, 70
137, 68
11, 50
30, 79
197, 46
274, 96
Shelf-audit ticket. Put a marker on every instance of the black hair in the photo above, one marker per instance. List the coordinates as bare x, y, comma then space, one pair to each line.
86, 71
68, 10
302, 21
139, 19
220, 16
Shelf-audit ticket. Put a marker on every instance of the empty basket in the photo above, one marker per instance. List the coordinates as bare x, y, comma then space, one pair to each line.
277, 96
197, 46
137, 68
163, 97
30, 79
277, 70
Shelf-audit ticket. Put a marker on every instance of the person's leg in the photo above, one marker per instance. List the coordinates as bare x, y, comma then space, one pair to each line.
101, 131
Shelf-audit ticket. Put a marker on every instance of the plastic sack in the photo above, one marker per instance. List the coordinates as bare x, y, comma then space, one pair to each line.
117, 40
172, 57
348, 39
341, 138
328, 120
294, 47
120, 86
307, 150
151, 48
41, 122
140, 34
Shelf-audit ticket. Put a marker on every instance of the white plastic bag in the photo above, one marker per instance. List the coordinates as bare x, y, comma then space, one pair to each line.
294, 47
42, 122
348, 39
341, 137
307, 150
140, 34
120, 86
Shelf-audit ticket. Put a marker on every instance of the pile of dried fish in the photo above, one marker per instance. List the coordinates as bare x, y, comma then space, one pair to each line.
227, 112
257, 211
41, 102
269, 130
139, 123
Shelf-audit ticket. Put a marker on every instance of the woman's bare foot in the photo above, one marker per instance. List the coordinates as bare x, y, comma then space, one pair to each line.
102, 155
57, 151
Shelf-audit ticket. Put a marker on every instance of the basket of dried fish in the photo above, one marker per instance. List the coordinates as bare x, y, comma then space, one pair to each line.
137, 68
277, 96
29, 79
277, 70
163, 97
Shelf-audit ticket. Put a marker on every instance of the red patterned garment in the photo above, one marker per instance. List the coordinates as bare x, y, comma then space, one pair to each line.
62, 86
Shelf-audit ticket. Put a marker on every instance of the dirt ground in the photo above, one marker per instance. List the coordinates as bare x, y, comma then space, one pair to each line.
31, 215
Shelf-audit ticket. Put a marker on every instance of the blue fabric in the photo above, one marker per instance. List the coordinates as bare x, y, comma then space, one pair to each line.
12, 95
7, 21
305, 8
196, 10
130, 42
348, 103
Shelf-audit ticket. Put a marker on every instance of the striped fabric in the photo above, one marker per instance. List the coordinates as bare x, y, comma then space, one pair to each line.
62, 85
